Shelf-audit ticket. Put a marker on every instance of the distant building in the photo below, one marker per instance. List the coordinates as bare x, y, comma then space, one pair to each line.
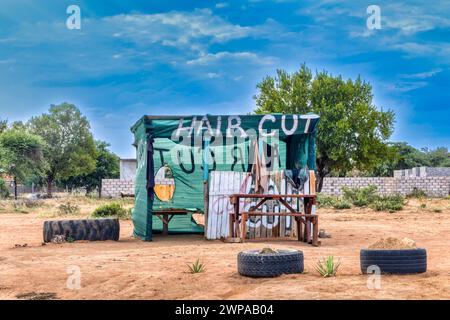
423, 172
127, 169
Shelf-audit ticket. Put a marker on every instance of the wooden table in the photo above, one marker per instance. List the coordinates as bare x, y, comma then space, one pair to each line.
166, 215
306, 218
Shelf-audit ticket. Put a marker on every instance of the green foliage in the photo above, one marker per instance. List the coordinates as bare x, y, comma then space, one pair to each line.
68, 208
111, 210
69, 150
20, 154
70, 239
3, 125
417, 193
4, 190
360, 197
106, 167
404, 156
389, 203
341, 204
325, 201
352, 133
328, 267
196, 267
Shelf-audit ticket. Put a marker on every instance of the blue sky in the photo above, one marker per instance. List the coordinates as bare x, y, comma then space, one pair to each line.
132, 58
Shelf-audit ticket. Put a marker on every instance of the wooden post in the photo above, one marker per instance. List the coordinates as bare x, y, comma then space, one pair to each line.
205, 163
244, 226
206, 204
315, 240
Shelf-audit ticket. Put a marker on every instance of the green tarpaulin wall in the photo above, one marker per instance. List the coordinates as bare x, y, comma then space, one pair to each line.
179, 142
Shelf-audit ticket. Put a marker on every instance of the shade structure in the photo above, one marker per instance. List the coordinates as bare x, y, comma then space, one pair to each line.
193, 146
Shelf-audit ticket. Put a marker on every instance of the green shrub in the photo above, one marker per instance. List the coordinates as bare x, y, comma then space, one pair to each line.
360, 197
417, 193
68, 208
196, 267
328, 267
389, 203
111, 210
340, 204
4, 191
326, 201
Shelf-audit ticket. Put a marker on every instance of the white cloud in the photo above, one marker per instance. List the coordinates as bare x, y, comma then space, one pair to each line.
212, 75
177, 29
422, 75
404, 86
221, 5
212, 58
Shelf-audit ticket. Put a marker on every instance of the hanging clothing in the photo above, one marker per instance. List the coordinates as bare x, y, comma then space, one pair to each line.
150, 169
297, 177
259, 170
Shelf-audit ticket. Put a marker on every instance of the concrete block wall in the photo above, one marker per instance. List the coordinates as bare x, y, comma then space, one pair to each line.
432, 186
115, 187
423, 172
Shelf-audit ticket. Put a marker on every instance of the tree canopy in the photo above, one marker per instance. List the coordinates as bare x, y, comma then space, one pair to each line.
20, 154
69, 146
106, 167
352, 132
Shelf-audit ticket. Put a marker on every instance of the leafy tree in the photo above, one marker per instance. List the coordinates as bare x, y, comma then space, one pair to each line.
106, 167
70, 148
20, 155
352, 133
3, 125
440, 157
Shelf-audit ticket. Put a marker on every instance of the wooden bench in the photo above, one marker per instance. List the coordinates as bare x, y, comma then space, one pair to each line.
166, 215
304, 220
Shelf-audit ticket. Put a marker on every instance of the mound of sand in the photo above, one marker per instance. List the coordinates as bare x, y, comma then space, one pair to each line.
394, 243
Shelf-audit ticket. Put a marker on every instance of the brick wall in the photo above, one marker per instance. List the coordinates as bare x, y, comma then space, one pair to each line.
115, 187
432, 186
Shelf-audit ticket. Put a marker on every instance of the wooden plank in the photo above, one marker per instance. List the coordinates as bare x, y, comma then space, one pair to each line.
211, 204
216, 205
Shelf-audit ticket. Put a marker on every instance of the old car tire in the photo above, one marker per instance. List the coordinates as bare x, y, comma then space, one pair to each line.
254, 264
406, 261
86, 229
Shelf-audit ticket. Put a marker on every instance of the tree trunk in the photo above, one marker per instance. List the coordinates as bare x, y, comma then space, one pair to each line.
322, 172
49, 187
319, 183
100, 190
15, 188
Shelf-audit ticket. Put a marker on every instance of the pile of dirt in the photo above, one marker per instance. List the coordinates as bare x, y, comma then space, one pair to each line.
393, 244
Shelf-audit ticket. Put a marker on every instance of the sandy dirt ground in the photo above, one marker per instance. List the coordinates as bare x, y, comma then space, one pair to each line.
132, 269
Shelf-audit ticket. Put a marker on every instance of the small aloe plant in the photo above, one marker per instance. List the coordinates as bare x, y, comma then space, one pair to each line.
196, 267
328, 267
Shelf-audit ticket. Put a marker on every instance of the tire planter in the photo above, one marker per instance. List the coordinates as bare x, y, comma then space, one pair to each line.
86, 229
407, 261
253, 264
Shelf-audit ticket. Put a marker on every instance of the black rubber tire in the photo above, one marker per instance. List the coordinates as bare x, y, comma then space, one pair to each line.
86, 229
407, 261
253, 264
